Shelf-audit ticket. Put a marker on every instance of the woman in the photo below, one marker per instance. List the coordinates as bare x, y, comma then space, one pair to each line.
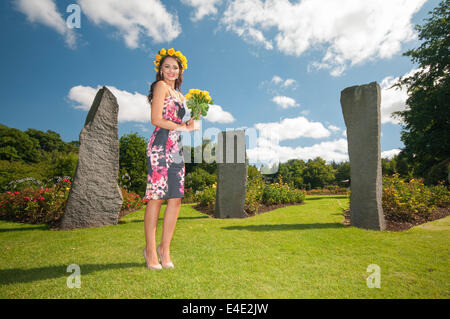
165, 179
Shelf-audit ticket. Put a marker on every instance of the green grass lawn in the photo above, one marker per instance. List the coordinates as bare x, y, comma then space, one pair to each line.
301, 251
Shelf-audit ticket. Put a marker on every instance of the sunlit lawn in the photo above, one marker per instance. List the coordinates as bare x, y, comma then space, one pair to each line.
301, 251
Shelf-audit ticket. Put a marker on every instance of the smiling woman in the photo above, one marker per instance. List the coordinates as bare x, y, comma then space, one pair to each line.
165, 160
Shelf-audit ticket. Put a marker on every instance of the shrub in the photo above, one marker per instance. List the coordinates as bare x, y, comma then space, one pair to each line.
207, 197
38, 205
35, 205
253, 198
189, 196
405, 201
281, 193
131, 201
199, 179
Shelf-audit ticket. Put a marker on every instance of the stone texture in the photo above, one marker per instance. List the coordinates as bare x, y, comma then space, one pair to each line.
95, 198
231, 161
361, 110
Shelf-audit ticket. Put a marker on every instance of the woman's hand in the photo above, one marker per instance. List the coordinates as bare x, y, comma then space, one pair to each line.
187, 126
190, 125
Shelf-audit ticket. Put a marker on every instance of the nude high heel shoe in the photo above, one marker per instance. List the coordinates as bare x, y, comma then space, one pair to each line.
168, 265
156, 267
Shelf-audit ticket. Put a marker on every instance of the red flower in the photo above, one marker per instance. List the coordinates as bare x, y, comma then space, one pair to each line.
26, 198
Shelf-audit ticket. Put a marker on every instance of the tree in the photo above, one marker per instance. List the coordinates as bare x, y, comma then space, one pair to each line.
291, 172
16, 145
133, 161
48, 141
342, 172
318, 173
253, 172
207, 148
426, 133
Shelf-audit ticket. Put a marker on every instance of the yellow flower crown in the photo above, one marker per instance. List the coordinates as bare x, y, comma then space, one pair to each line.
171, 52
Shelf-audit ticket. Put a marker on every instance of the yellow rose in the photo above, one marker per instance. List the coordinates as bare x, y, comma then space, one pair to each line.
158, 57
171, 51
183, 59
184, 66
163, 51
208, 98
178, 54
156, 63
188, 96
156, 69
196, 91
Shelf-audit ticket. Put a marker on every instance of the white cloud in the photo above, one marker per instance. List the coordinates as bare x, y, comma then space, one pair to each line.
351, 31
46, 12
276, 79
390, 154
134, 18
265, 151
292, 128
304, 112
334, 128
217, 115
268, 149
393, 99
133, 107
202, 8
289, 82
285, 102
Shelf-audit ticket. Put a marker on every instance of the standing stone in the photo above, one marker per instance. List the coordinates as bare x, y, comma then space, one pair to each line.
361, 109
95, 199
231, 159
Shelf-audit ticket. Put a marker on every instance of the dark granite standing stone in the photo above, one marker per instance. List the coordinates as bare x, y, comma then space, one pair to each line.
231, 161
95, 198
361, 110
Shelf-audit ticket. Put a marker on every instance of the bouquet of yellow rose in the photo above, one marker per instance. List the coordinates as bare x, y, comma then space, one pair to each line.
198, 102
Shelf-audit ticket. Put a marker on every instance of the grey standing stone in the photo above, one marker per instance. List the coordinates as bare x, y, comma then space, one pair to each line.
95, 198
361, 109
231, 159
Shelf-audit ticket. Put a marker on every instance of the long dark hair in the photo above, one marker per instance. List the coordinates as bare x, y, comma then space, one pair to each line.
160, 77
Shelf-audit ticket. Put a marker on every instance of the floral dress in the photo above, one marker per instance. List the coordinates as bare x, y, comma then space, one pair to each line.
165, 161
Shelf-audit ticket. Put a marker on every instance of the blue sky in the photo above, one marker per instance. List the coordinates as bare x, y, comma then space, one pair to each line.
270, 66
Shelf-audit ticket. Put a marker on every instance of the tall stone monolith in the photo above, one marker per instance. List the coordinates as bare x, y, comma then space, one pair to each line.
95, 198
361, 110
231, 159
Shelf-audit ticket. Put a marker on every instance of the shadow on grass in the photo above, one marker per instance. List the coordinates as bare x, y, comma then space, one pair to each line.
318, 197
41, 227
278, 227
17, 275
160, 218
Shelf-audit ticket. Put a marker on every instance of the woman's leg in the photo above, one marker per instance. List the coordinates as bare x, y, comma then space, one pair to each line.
170, 220
150, 222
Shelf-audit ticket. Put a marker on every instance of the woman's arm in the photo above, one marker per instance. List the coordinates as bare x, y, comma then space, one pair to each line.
159, 95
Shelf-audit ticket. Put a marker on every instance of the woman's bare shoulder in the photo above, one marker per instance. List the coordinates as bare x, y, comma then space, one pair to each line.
161, 86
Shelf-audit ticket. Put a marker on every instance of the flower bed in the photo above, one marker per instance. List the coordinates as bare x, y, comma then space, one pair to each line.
38, 205
260, 197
